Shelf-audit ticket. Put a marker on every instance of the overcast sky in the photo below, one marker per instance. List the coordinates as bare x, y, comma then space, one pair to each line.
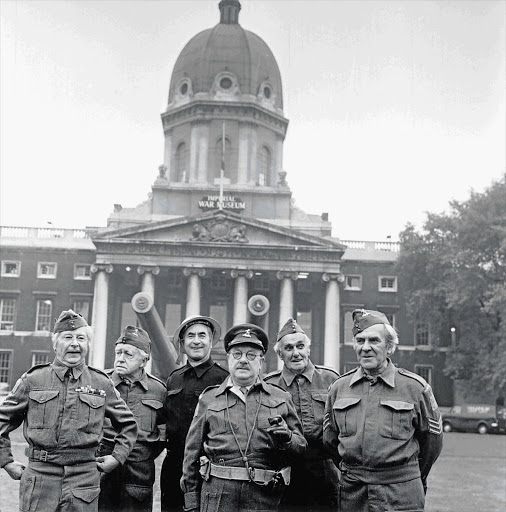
395, 107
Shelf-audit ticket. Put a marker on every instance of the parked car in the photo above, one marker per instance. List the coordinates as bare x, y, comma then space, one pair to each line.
475, 418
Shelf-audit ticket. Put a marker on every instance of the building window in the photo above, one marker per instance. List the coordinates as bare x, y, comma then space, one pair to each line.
46, 270
11, 268
348, 327
181, 163
422, 334
387, 283
424, 371
353, 282
172, 317
40, 358
264, 167
5, 366
391, 318
44, 315
7, 314
83, 308
82, 271
304, 320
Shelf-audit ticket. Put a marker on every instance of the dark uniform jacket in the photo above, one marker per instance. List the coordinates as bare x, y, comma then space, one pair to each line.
145, 398
219, 427
184, 386
64, 414
393, 424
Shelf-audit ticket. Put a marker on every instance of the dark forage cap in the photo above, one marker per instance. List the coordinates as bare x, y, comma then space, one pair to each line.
136, 337
291, 327
246, 333
364, 318
69, 321
198, 319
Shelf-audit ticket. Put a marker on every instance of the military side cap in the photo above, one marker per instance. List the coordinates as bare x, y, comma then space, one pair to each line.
136, 337
199, 319
246, 334
69, 321
291, 327
364, 318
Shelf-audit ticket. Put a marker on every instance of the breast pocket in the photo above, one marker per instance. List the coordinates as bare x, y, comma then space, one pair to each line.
91, 413
271, 407
220, 419
345, 411
149, 414
43, 408
395, 419
318, 399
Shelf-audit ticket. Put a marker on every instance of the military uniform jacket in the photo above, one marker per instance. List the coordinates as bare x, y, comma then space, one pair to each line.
184, 386
392, 422
223, 421
309, 393
64, 414
145, 398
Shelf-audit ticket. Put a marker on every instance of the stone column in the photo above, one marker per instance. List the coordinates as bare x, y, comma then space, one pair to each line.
148, 274
253, 156
203, 156
167, 156
99, 319
286, 294
194, 149
278, 166
241, 277
194, 286
332, 344
243, 158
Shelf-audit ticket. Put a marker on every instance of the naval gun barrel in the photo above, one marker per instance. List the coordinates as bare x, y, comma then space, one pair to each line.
163, 352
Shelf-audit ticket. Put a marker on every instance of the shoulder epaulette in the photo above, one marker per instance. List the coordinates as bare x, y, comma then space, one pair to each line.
277, 386
275, 373
412, 375
209, 389
177, 370
353, 370
221, 367
98, 370
321, 367
37, 367
155, 378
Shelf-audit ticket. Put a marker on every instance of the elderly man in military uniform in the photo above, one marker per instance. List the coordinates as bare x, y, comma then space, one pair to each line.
63, 405
382, 425
315, 477
195, 337
244, 435
129, 488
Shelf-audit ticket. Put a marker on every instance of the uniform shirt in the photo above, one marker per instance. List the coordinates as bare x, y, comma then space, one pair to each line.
63, 411
145, 398
223, 423
309, 393
184, 386
390, 421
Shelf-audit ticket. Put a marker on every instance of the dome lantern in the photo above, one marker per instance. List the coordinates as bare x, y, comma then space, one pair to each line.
229, 10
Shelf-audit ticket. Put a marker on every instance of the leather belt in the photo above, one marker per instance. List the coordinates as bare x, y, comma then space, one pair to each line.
261, 476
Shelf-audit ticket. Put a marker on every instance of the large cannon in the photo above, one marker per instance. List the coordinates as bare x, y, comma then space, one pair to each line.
163, 353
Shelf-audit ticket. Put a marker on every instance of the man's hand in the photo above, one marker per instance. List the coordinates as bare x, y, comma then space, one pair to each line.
280, 431
107, 463
15, 469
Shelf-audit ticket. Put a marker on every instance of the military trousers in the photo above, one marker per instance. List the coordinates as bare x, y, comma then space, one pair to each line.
171, 495
48, 487
129, 488
357, 496
219, 495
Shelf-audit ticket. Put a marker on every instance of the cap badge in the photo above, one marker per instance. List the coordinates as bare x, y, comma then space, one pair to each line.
364, 312
247, 333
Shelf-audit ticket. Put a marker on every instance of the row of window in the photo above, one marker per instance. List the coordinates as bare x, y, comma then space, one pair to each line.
44, 313
38, 357
45, 270
385, 283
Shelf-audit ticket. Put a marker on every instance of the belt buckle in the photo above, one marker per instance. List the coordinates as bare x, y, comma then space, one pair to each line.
251, 472
43, 456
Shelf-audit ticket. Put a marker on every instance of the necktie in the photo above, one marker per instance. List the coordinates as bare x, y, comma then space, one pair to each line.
244, 390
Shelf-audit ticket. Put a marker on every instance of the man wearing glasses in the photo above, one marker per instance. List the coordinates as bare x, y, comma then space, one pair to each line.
248, 431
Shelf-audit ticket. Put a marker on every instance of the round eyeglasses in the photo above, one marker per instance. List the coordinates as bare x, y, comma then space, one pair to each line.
250, 356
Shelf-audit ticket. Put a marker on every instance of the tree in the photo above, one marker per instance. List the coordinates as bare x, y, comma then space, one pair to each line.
453, 273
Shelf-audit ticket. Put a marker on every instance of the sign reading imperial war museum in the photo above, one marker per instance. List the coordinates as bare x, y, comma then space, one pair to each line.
225, 203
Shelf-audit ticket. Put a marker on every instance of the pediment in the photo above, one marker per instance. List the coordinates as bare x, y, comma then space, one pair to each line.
217, 227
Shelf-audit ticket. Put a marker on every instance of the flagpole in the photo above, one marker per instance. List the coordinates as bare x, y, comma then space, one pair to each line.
222, 174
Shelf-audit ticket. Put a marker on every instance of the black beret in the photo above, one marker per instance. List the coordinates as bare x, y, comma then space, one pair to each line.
291, 327
364, 318
137, 337
69, 321
246, 333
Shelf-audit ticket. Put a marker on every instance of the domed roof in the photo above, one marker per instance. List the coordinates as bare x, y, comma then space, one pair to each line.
227, 51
